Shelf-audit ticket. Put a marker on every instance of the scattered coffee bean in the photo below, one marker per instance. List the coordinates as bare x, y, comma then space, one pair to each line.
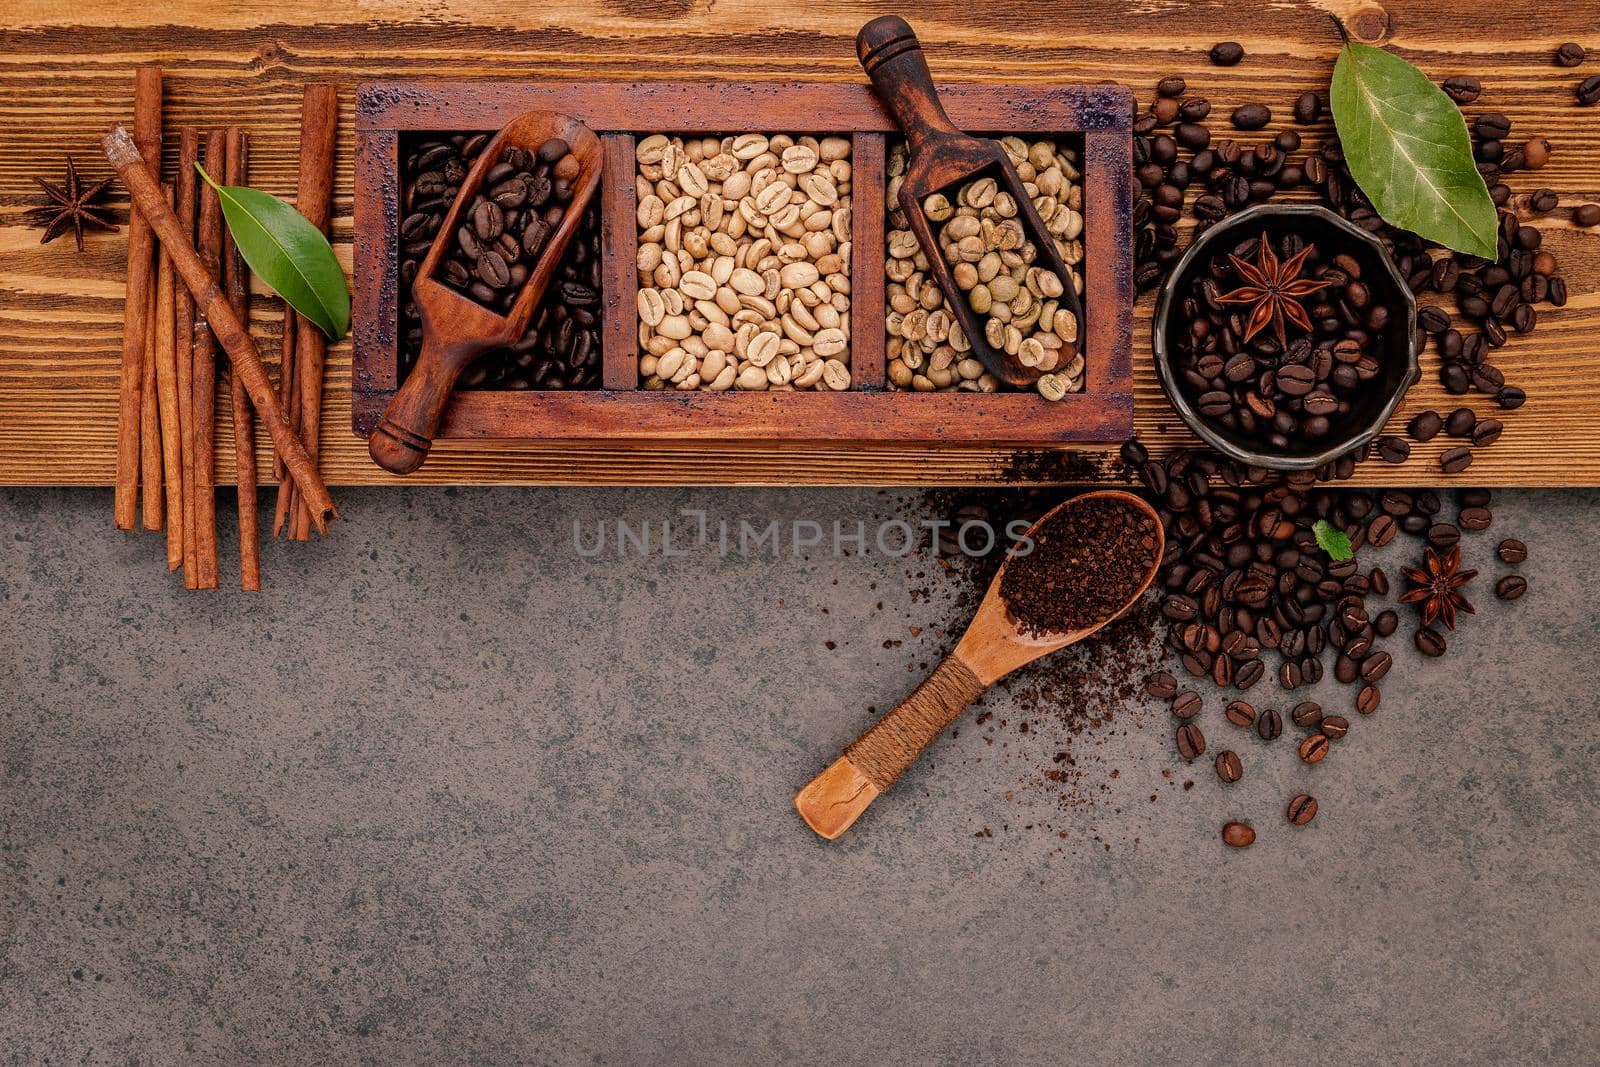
1307, 108
1161, 685
1442, 535
1227, 53
1429, 642
1570, 54
1375, 666
1511, 587
1589, 91
1425, 426
1240, 713
1367, 699
1313, 749
1251, 116
1302, 809
1393, 449
1455, 460
1307, 714
1475, 519
1238, 835
1269, 725
1334, 727
1512, 551
1186, 705
1586, 215
1230, 768
1191, 742
1463, 88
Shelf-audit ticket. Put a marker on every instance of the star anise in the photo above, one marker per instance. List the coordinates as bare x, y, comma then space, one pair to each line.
1275, 289
72, 206
1436, 585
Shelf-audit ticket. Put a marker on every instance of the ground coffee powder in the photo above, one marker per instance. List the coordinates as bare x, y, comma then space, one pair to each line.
1085, 566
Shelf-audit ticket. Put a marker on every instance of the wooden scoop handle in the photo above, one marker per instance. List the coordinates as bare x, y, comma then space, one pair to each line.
405, 433
893, 59
870, 764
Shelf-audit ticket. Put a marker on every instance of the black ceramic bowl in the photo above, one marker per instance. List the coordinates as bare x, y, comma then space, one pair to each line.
1395, 347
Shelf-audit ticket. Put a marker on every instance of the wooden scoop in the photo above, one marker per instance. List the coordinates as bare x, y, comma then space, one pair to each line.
942, 159
456, 328
993, 646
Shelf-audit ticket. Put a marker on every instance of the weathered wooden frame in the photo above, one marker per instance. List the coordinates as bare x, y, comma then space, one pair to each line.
867, 412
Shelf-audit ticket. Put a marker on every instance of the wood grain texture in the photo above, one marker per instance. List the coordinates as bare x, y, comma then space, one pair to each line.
246, 63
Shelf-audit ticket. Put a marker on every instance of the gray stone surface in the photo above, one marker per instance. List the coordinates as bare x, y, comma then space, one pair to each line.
449, 792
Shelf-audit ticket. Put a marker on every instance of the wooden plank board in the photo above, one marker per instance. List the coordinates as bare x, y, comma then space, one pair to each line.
61, 314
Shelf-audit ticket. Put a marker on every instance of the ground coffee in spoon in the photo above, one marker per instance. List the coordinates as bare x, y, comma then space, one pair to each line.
1084, 568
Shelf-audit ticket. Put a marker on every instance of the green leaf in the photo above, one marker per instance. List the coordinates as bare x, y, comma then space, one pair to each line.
1407, 147
1332, 540
287, 253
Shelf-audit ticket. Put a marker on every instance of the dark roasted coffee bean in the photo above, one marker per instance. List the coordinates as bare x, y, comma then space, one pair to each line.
1492, 126
1589, 91
1455, 460
1368, 699
1269, 725
1171, 86
1191, 742
1570, 54
1307, 109
1230, 768
1511, 587
1334, 727
1133, 453
492, 270
1227, 54
1393, 449
1586, 215
1375, 666
1240, 713
1161, 685
1510, 397
1475, 519
1251, 116
1459, 423
1512, 551
1238, 835
1302, 809
1186, 705
1248, 674
1381, 530
1487, 432
1442, 535
1313, 749
1307, 714
1463, 88
1429, 642
1425, 426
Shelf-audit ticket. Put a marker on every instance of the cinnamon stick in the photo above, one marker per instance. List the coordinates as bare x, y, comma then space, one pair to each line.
150, 422
231, 334
167, 399
289, 397
236, 279
319, 118
209, 243
183, 334
136, 307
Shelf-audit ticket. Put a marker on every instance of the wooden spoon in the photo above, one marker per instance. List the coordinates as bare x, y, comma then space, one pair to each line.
942, 159
993, 646
456, 328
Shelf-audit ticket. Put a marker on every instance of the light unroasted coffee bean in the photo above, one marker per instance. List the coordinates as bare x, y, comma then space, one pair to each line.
744, 262
983, 241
